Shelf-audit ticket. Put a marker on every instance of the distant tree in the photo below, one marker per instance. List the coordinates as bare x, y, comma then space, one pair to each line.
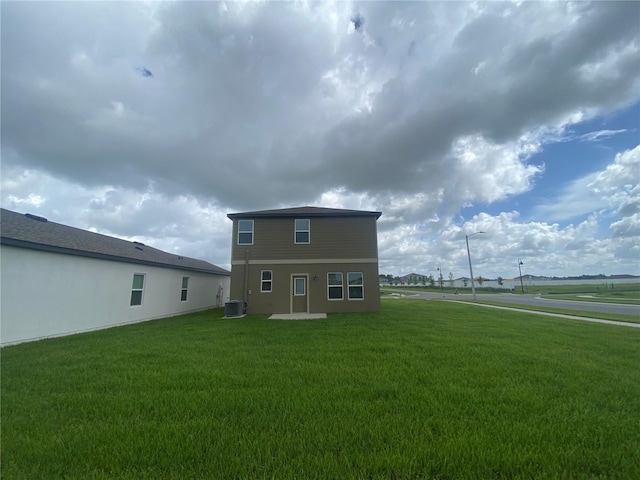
432, 282
465, 281
500, 281
423, 280
451, 279
480, 280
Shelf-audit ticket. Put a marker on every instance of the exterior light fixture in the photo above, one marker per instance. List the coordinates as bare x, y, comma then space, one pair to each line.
520, 270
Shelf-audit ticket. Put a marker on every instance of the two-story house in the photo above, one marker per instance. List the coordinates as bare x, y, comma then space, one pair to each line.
307, 259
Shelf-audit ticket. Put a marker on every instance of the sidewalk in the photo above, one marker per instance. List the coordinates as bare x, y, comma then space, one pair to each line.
560, 315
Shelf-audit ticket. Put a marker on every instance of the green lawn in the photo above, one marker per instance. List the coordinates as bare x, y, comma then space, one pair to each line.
419, 390
621, 290
627, 293
564, 311
628, 298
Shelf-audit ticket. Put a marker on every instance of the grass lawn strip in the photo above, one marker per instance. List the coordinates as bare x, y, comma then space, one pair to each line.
575, 313
559, 315
418, 390
594, 298
628, 293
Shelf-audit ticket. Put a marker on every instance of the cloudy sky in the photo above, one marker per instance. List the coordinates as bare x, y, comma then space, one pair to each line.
152, 121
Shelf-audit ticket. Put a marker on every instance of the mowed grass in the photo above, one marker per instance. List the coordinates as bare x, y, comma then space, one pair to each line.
418, 390
564, 311
626, 293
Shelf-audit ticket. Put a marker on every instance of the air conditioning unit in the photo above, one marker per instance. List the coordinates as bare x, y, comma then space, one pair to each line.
233, 308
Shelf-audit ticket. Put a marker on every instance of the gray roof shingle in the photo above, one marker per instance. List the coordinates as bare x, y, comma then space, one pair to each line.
31, 231
305, 212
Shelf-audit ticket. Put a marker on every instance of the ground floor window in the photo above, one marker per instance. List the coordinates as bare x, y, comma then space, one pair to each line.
356, 285
334, 285
137, 288
184, 290
267, 281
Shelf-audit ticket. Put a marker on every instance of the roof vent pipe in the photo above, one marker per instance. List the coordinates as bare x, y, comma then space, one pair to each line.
35, 217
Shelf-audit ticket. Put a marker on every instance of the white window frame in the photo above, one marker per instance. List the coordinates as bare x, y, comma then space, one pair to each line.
141, 290
184, 290
240, 221
264, 281
301, 230
349, 286
335, 285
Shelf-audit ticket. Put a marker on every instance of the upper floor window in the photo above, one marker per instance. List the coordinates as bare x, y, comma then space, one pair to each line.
303, 231
356, 285
245, 232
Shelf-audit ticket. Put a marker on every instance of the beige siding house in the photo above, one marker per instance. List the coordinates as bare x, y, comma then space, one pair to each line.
308, 259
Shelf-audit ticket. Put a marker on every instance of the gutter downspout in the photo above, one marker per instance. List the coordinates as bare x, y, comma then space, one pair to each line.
245, 295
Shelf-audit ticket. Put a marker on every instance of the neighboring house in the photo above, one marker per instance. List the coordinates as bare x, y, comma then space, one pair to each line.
57, 280
308, 259
415, 279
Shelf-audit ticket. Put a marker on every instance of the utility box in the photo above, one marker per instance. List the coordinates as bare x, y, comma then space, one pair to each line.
234, 308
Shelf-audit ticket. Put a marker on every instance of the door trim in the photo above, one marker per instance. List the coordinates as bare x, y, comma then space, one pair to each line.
291, 287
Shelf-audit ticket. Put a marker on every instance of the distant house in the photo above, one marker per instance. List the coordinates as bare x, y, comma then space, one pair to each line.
58, 280
414, 279
308, 259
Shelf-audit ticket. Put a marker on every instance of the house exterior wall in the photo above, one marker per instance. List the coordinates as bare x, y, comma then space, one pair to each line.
331, 237
45, 294
279, 299
337, 244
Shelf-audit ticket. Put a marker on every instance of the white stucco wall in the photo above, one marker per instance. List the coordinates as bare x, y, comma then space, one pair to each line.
45, 294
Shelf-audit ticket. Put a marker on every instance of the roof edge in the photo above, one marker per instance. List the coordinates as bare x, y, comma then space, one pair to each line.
303, 212
12, 242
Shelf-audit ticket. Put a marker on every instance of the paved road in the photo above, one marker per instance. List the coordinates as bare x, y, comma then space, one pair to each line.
534, 301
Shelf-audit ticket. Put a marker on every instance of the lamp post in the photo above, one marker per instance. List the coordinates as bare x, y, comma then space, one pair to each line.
473, 286
441, 282
520, 270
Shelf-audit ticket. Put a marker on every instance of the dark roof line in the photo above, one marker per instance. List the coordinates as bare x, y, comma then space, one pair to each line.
304, 212
25, 231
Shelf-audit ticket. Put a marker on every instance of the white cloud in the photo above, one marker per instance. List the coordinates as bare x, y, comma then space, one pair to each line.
600, 135
178, 224
614, 189
545, 249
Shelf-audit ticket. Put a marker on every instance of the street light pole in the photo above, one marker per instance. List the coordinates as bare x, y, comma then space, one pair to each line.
441, 282
520, 270
473, 286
